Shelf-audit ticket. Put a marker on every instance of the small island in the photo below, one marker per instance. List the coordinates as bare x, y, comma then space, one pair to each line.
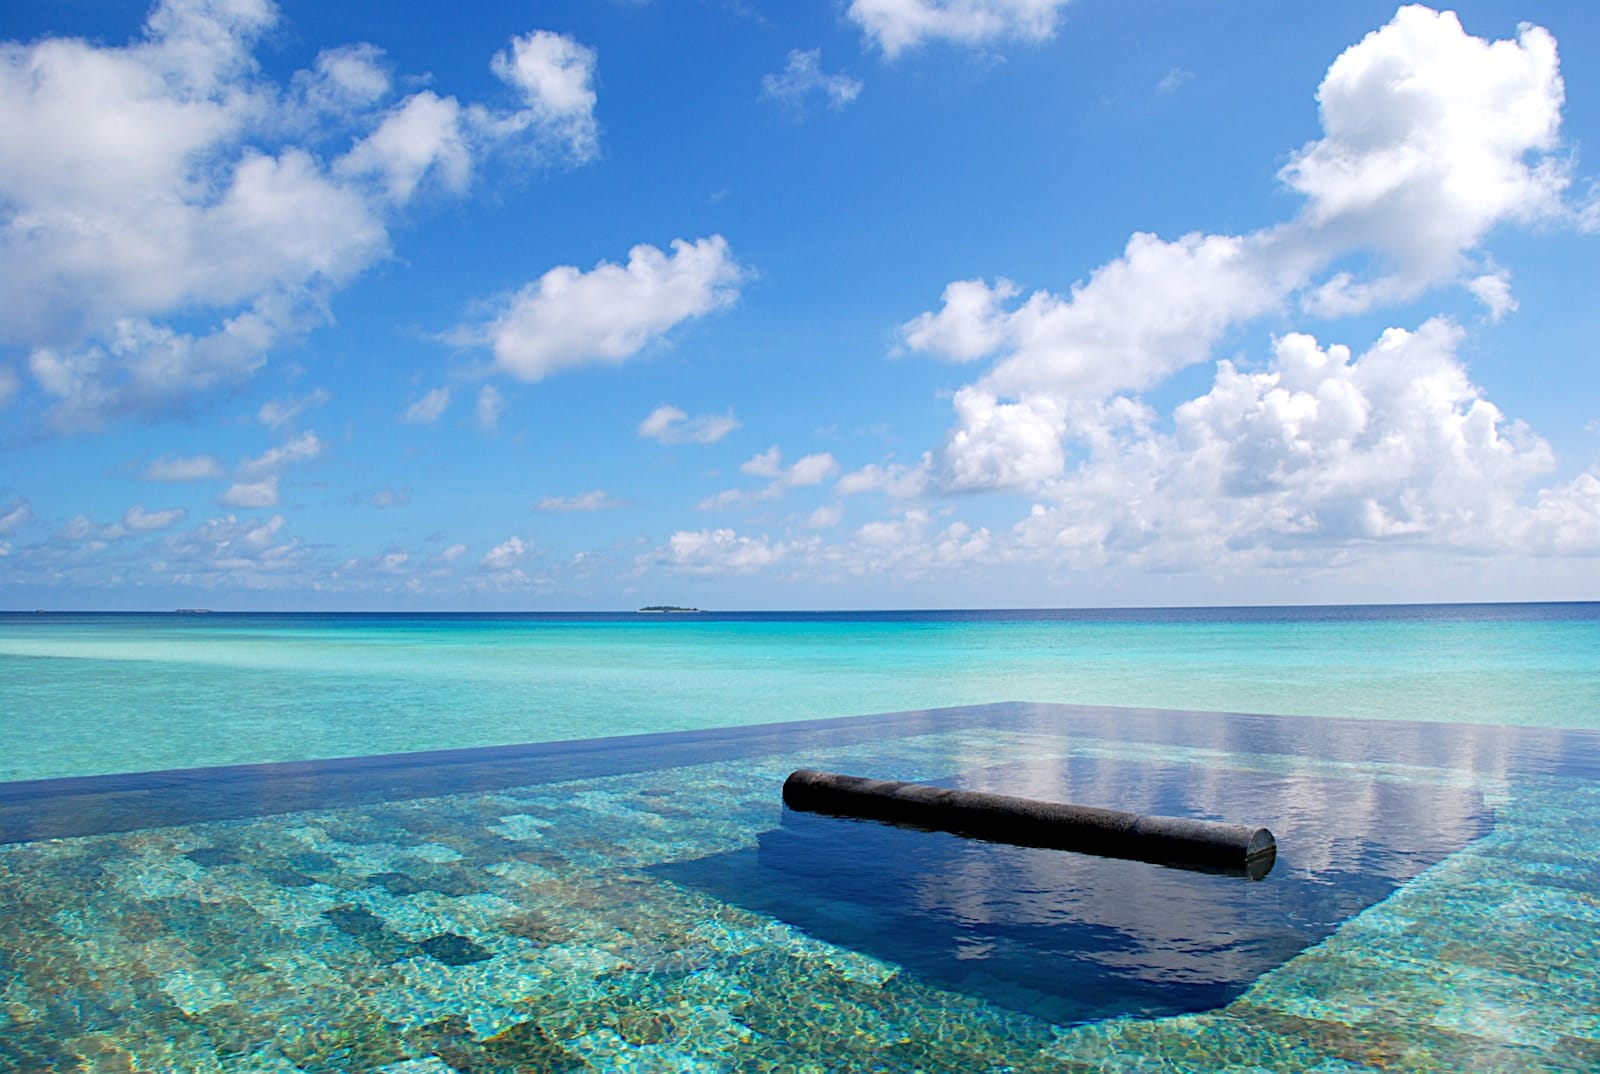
666, 609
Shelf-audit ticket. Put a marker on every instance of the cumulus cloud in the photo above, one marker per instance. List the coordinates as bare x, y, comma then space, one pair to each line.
169, 180
234, 552
262, 492
505, 555
721, 551
429, 409
1318, 452
556, 77
137, 520
826, 516
893, 479
303, 448
971, 322
908, 545
595, 500
805, 472
276, 413
810, 470
768, 463
13, 515
803, 77
256, 481
670, 425
1493, 289
897, 25
342, 79
391, 497
722, 501
422, 136
183, 468
1431, 138
569, 317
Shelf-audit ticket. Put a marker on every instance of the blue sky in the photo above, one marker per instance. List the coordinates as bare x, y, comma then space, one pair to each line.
867, 303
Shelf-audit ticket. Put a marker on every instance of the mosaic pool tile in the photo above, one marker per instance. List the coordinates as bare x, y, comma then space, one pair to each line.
540, 927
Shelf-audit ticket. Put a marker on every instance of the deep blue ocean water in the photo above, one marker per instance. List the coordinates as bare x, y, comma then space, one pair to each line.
90, 693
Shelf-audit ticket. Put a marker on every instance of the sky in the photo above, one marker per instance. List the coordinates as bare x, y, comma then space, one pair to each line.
593, 304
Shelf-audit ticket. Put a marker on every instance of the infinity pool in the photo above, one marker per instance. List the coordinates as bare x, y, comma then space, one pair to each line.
647, 904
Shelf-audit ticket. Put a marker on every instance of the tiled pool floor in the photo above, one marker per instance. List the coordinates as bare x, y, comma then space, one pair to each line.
578, 923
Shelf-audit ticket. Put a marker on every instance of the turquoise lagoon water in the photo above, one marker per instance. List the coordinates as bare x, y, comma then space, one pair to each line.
332, 902
116, 693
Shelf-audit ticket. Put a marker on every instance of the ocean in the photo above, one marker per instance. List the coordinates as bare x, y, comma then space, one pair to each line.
391, 899
101, 693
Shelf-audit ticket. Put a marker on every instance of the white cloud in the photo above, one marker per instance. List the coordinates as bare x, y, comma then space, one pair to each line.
768, 463
905, 544
1003, 445
420, 136
257, 481
721, 551
78, 527
971, 322
1315, 455
429, 409
183, 468
504, 556
595, 500
170, 179
137, 520
491, 404
802, 77
897, 25
893, 479
670, 425
1566, 519
1432, 137
14, 515
228, 551
1493, 289
811, 470
342, 79
453, 553
248, 494
569, 318
276, 413
806, 472
826, 517
391, 497
303, 448
556, 76
721, 501
1175, 77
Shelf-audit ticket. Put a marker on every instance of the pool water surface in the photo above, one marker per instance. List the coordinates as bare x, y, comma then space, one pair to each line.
648, 904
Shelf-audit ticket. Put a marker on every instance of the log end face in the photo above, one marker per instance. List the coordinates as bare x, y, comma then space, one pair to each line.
1261, 842
1259, 854
797, 788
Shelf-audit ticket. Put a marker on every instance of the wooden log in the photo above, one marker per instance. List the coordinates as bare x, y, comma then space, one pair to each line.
1183, 841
